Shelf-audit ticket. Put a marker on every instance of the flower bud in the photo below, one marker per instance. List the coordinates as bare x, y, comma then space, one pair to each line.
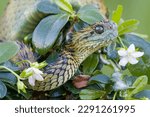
21, 86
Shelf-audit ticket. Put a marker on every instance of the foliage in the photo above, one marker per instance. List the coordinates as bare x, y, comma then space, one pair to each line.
8, 49
130, 82
48, 27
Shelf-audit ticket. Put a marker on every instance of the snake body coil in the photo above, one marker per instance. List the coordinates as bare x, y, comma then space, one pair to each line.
20, 19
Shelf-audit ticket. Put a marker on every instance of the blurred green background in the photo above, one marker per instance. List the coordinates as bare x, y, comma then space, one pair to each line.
134, 9
137, 9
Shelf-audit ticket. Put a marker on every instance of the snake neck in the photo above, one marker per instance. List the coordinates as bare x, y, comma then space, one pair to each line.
25, 53
55, 74
58, 73
78, 45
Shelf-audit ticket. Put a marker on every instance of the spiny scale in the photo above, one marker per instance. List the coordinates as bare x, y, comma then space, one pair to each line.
57, 74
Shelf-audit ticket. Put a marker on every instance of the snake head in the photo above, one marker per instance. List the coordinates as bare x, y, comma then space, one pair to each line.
104, 31
100, 34
92, 38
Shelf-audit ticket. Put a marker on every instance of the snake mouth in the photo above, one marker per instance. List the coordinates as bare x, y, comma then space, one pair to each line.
111, 37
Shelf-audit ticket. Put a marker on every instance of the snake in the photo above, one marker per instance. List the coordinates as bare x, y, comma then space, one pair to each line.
21, 17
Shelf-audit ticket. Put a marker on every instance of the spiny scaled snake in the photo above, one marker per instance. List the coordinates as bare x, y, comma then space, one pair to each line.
21, 17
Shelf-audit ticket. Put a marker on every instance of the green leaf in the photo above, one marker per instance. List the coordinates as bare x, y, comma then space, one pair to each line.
47, 7
111, 51
143, 66
90, 14
47, 31
99, 79
3, 89
69, 86
80, 25
64, 5
143, 94
11, 66
128, 26
129, 80
88, 94
8, 77
107, 70
147, 87
52, 57
117, 14
90, 64
57, 92
139, 85
96, 72
8, 50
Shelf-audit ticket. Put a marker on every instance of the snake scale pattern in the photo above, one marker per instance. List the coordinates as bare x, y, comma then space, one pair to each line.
21, 17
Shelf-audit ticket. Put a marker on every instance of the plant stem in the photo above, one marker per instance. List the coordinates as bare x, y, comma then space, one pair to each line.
121, 42
114, 66
114, 97
3, 67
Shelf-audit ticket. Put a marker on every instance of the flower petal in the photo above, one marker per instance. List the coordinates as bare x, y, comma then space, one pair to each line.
37, 71
123, 61
38, 77
132, 60
137, 54
31, 81
122, 52
131, 48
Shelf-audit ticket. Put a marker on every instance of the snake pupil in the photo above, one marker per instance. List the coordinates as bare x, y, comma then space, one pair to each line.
99, 29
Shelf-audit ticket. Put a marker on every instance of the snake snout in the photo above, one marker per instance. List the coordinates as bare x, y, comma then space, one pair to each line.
113, 26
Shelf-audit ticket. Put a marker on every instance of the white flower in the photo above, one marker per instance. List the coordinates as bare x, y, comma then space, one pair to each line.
130, 55
36, 75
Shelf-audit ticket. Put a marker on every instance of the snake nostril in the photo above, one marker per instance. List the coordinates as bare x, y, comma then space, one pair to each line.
111, 27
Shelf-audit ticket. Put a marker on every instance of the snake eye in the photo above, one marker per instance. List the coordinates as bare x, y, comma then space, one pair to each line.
99, 29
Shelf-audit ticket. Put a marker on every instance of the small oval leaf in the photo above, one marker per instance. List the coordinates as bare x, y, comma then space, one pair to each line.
89, 94
8, 77
139, 85
3, 89
57, 92
89, 14
117, 14
128, 26
8, 50
47, 31
99, 79
111, 51
69, 86
143, 94
47, 7
64, 5
90, 64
